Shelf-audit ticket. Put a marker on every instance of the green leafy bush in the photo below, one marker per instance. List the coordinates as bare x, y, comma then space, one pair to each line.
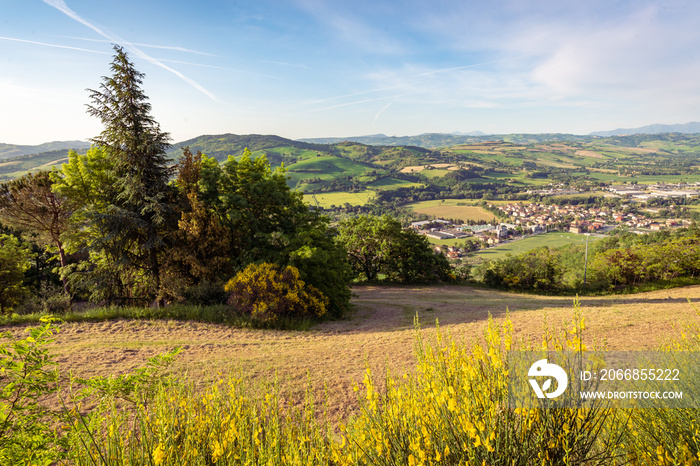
49, 300
14, 262
538, 269
26, 375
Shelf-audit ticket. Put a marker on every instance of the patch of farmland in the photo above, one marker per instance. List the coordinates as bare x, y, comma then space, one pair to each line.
419, 168
326, 200
460, 212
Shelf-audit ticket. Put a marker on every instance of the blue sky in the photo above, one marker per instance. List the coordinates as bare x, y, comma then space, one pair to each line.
315, 68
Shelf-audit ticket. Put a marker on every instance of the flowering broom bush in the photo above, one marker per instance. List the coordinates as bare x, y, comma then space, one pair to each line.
454, 410
267, 292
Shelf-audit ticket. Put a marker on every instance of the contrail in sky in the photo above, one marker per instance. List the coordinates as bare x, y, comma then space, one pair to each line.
52, 45
61, 6
153, 46
383, 110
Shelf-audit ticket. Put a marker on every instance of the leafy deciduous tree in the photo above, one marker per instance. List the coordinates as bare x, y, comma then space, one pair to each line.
413, 260
14, 262
30, 203
265, 221
379, 245
201, 248
368, 241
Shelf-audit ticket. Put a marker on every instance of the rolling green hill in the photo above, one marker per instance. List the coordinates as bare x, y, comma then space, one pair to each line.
13, 150
15, 167
518, 161
221, 146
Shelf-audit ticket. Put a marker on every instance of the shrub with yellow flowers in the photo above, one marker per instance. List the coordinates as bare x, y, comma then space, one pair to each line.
267, 291
454, 410
671, 436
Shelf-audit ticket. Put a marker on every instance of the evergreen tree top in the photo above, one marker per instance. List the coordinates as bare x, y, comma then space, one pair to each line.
131, 137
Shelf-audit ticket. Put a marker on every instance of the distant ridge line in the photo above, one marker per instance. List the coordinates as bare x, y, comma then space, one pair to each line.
692, 127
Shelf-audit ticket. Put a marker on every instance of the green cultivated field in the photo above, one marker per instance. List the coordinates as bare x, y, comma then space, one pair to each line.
552, 240
325, 168
326, 200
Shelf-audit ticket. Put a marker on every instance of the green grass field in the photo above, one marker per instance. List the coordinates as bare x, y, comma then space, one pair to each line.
434, 173
288, 151
326, 167
326, 200
552, 240
449, 242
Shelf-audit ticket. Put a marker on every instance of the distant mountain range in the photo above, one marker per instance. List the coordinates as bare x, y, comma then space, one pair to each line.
430, 140
434, 140
686, 128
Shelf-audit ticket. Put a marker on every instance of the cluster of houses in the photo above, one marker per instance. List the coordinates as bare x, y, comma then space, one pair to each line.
581, 219
553, 191
538, 218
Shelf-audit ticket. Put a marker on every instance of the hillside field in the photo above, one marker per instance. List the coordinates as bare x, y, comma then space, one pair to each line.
326, 200
457, 209
379, 334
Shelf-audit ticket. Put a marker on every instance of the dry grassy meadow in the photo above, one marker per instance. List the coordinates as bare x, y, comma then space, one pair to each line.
380, 332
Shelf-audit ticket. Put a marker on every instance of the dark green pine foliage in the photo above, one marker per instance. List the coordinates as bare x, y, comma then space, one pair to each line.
135, 224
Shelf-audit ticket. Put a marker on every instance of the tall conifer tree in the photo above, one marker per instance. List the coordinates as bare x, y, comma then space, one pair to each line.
134, 226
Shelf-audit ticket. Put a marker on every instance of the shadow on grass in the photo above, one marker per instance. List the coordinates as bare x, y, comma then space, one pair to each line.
217, 314
388, 308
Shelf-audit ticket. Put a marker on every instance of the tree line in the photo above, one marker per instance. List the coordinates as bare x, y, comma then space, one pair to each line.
624, 261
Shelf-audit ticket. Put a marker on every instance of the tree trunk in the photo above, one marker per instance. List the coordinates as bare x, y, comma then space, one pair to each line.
160, 300
62, 255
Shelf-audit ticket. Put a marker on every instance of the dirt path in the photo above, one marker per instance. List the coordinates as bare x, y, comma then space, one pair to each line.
380, 333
